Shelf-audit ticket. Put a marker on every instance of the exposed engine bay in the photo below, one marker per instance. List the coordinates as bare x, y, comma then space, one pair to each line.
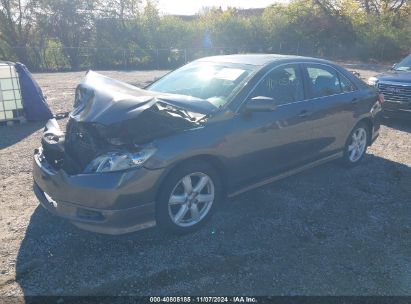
110, 115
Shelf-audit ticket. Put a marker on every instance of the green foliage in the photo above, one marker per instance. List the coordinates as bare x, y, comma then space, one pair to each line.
71, 22
78, 34
383, 39
54, 57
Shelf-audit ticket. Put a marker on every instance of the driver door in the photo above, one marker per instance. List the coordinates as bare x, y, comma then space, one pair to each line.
270, 142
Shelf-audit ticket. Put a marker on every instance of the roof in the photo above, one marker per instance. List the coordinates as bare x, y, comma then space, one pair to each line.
257, 59
250, 11
185, 17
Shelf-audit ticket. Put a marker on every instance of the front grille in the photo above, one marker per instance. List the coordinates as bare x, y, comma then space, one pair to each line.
80, 147
395, 92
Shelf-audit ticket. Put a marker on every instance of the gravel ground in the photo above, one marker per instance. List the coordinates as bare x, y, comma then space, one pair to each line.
327, 231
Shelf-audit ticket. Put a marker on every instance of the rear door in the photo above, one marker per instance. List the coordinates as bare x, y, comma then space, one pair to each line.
332, 98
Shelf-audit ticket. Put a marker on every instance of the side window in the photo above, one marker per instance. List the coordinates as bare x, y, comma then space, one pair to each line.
284, 84
323, 81
346, 84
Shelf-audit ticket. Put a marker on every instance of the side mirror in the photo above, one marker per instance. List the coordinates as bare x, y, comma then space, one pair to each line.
260, 104
394, 66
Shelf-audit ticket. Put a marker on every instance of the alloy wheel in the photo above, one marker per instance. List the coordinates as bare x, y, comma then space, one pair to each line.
191, 199
357, 145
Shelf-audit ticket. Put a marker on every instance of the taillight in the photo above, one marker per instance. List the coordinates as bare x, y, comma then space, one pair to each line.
381, 98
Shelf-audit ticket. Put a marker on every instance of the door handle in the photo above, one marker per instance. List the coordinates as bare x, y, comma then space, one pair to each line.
304, 113
354, 100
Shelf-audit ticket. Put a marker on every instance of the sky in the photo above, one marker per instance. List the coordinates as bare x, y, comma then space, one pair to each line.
190, 7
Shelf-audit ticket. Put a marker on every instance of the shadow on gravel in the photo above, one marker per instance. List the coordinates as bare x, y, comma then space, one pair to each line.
402, 124
330, 230
13, 134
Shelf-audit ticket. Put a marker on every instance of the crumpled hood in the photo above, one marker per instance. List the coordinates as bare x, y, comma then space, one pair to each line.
395, 76
103, 100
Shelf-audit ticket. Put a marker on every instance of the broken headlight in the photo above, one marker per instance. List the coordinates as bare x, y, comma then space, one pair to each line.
117, 161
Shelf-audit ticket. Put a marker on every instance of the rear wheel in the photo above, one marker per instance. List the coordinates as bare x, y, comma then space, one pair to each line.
188, 197
356, 145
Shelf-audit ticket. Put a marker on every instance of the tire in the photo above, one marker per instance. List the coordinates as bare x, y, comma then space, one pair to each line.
188, 197
356, 145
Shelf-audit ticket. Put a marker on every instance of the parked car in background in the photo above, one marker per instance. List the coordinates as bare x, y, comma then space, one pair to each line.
396, 87
168, 154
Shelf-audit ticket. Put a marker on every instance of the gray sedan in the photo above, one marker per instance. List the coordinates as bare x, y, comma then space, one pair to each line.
168, 154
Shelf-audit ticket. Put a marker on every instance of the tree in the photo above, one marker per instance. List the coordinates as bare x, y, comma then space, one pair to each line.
119, 33
17, 26
122, 10
383, 6
71, 22
226, 28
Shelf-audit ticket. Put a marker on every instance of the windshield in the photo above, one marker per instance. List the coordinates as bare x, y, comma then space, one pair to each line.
214, 82
404, 65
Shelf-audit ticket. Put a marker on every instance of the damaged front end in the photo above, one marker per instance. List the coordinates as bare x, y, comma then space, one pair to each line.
112, 124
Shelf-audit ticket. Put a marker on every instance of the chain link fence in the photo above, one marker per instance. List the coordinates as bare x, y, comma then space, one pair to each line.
84, 58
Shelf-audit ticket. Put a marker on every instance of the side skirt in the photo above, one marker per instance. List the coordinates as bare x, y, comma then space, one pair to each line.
288, 173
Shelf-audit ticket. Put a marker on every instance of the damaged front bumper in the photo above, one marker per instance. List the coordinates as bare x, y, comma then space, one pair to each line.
109, 116
110, 203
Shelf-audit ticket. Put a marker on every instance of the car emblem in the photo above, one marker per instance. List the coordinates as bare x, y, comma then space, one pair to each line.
394, 90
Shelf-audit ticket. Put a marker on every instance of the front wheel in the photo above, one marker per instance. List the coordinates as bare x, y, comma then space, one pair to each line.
188, 198
356, 145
